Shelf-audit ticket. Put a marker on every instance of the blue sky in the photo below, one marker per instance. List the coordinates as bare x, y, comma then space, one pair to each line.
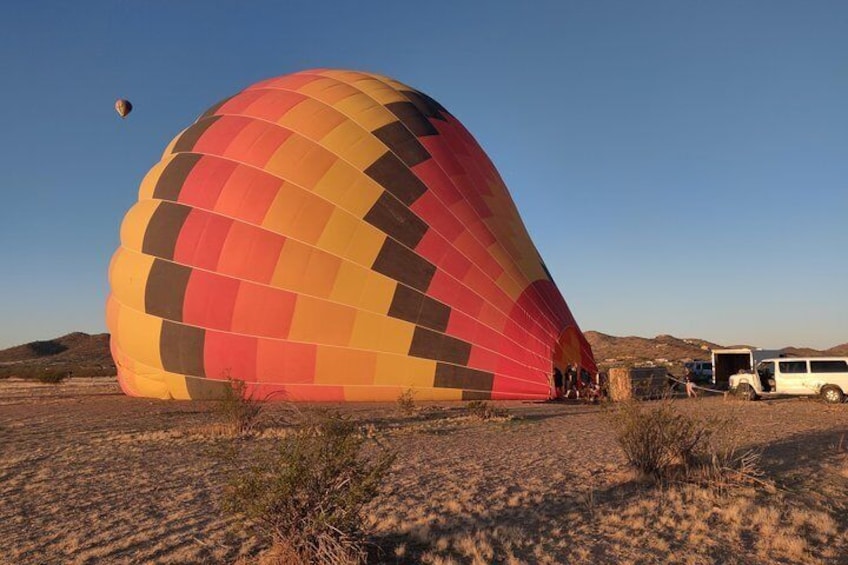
682, 166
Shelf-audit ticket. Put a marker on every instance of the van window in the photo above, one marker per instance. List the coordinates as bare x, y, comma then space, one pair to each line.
793, 366
829, 366
766, 370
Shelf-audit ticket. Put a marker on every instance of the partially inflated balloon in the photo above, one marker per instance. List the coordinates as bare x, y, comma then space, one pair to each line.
123, 107
333, 235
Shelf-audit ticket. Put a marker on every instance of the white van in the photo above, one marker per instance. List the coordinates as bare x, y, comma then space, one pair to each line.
827, 376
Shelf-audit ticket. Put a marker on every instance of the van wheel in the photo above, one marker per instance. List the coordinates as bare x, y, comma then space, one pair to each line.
832, 394
746, 392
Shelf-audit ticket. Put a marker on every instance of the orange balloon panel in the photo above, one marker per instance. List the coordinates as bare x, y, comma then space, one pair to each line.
333, 235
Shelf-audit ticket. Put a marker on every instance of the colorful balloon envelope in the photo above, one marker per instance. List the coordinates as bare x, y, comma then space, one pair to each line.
333, 235
123, 107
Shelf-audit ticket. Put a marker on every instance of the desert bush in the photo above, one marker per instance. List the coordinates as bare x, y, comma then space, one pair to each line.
484, 411
406, 401
53, 372
649, 436
664, 443
305, 493
52, 377
239, 408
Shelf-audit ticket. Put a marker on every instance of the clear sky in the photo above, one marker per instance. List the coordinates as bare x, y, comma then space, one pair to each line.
682, 166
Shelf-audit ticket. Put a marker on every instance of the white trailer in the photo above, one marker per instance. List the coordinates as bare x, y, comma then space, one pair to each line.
727, 362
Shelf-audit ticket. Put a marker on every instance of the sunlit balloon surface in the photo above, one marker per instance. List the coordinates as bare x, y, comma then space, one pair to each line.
123, 107
333, 235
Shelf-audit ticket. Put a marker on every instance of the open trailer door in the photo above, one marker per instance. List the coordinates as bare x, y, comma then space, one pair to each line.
727, 362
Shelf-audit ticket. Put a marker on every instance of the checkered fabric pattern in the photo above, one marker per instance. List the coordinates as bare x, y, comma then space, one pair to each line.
333, 235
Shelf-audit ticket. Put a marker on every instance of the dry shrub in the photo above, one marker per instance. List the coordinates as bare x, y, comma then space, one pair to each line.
650, 437
482, 410
52, 377
406, 402
664, 443
305, 493
239, 409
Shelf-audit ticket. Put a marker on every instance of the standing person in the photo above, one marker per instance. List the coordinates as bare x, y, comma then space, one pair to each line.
571, 380
585, 378
690, 386
558, 384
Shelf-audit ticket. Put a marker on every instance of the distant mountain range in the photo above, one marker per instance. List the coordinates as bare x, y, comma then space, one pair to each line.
88, 355
611, 351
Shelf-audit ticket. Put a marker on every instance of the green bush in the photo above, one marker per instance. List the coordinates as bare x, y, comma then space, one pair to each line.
306, 492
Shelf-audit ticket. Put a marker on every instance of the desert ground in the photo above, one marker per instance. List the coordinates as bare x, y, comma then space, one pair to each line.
88, 475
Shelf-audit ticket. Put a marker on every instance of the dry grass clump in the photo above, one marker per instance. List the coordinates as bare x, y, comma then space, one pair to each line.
239, 409
664, 443
688, 524
306, 492
482, 410
406, 402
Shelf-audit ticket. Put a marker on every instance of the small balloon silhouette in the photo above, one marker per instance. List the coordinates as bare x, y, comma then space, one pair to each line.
123, 107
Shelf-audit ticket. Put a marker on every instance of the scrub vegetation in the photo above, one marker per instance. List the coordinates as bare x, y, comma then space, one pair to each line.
88, 475
482, 410
406, 402
305, 493
664, 442
239, 409
52, 377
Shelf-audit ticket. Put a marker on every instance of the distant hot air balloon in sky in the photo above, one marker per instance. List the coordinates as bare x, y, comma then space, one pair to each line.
333, 235
123, 107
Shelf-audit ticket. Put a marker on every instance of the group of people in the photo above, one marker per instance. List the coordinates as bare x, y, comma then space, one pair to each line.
576, 383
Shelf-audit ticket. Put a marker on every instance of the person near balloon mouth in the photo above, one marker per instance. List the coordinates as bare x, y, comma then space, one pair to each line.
558, 384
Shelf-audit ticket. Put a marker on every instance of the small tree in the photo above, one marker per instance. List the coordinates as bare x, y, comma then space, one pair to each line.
306, 493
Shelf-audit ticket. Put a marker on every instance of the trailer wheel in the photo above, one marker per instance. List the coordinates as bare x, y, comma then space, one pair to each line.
746, 392
832, 394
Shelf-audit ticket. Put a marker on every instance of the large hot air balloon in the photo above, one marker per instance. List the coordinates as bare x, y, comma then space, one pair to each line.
123, 107
333, 235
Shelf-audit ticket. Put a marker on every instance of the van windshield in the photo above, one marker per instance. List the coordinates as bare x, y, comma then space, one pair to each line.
766, 370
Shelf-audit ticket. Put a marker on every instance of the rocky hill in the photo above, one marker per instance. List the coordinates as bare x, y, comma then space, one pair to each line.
836, 351
612, 351
839, 350
76, 353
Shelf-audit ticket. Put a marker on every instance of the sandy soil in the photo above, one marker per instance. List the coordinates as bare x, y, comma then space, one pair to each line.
88, 475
